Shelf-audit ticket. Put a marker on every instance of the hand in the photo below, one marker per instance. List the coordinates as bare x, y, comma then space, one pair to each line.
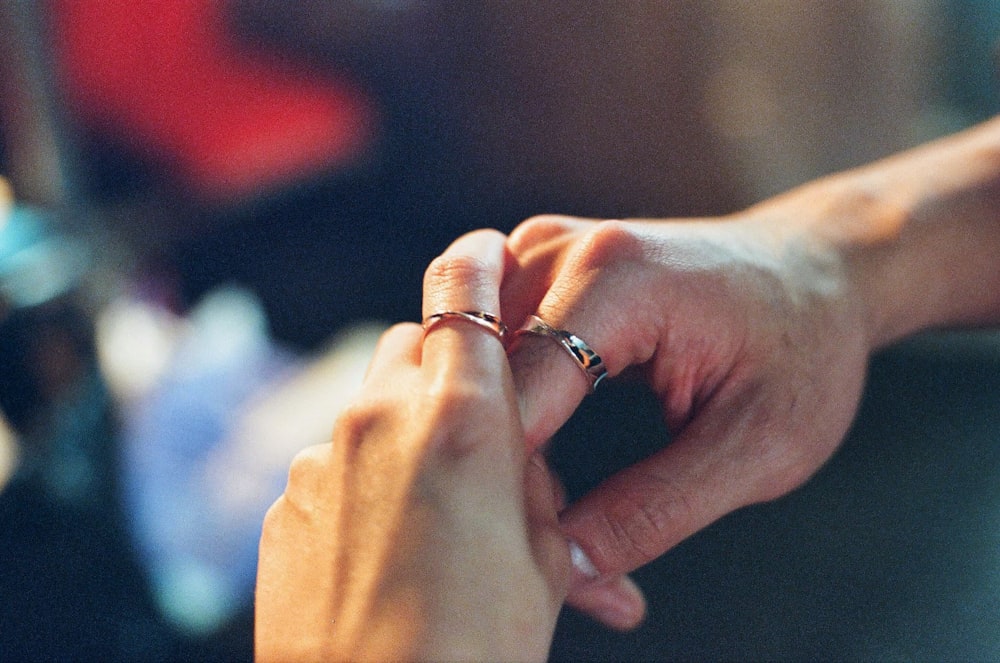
748, 334
423, 531
754, 331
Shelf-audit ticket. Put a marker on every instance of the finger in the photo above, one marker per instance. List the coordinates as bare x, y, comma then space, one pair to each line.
539, 247
600, 295
615, 601
398, 345
466, 277
548, 542
713, 467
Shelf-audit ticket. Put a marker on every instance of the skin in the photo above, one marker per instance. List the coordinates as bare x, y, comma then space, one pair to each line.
424, 531
754, 331
430, 529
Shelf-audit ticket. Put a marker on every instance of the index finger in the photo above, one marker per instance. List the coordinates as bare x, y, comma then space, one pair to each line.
598, 292
465, 278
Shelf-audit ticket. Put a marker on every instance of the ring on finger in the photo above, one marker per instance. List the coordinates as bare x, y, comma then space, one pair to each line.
485, 320
585, 357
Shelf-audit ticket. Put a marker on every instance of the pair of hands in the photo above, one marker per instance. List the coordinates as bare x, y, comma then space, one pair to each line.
430, 527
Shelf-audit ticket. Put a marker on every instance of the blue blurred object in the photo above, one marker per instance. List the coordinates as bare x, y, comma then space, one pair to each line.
37, 265
49, 386
70, 586
194, 516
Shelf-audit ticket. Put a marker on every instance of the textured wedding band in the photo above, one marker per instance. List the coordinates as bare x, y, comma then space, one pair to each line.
589, 361
482, 318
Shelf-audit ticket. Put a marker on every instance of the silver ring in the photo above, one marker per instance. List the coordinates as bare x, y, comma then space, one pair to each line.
589, 361
482, 318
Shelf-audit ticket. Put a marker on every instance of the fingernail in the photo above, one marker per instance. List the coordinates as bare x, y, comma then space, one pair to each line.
583, 569
619, 605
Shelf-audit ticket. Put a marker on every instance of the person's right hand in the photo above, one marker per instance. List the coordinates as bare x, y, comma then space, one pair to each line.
754, 331
748, 335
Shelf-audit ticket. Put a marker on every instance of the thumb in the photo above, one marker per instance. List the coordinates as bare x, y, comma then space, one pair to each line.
717, 464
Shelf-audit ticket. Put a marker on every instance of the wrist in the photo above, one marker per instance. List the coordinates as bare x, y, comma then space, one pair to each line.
915, 237
867, 232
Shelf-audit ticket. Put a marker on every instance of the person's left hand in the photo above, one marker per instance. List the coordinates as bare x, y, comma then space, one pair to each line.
424, 530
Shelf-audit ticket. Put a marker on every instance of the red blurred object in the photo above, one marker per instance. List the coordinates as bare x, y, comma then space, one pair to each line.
167, 77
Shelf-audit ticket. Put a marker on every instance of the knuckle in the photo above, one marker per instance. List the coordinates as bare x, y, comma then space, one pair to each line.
398, 332
308, 463
644, 524
307, 473
354, 423
607, 244
638, 536
449, 404
540, 229
450, 397
274, 515
450, 271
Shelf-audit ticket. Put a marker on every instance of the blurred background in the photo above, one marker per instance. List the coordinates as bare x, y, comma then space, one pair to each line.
211, 208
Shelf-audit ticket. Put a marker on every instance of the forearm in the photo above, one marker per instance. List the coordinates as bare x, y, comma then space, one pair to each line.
916, 235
